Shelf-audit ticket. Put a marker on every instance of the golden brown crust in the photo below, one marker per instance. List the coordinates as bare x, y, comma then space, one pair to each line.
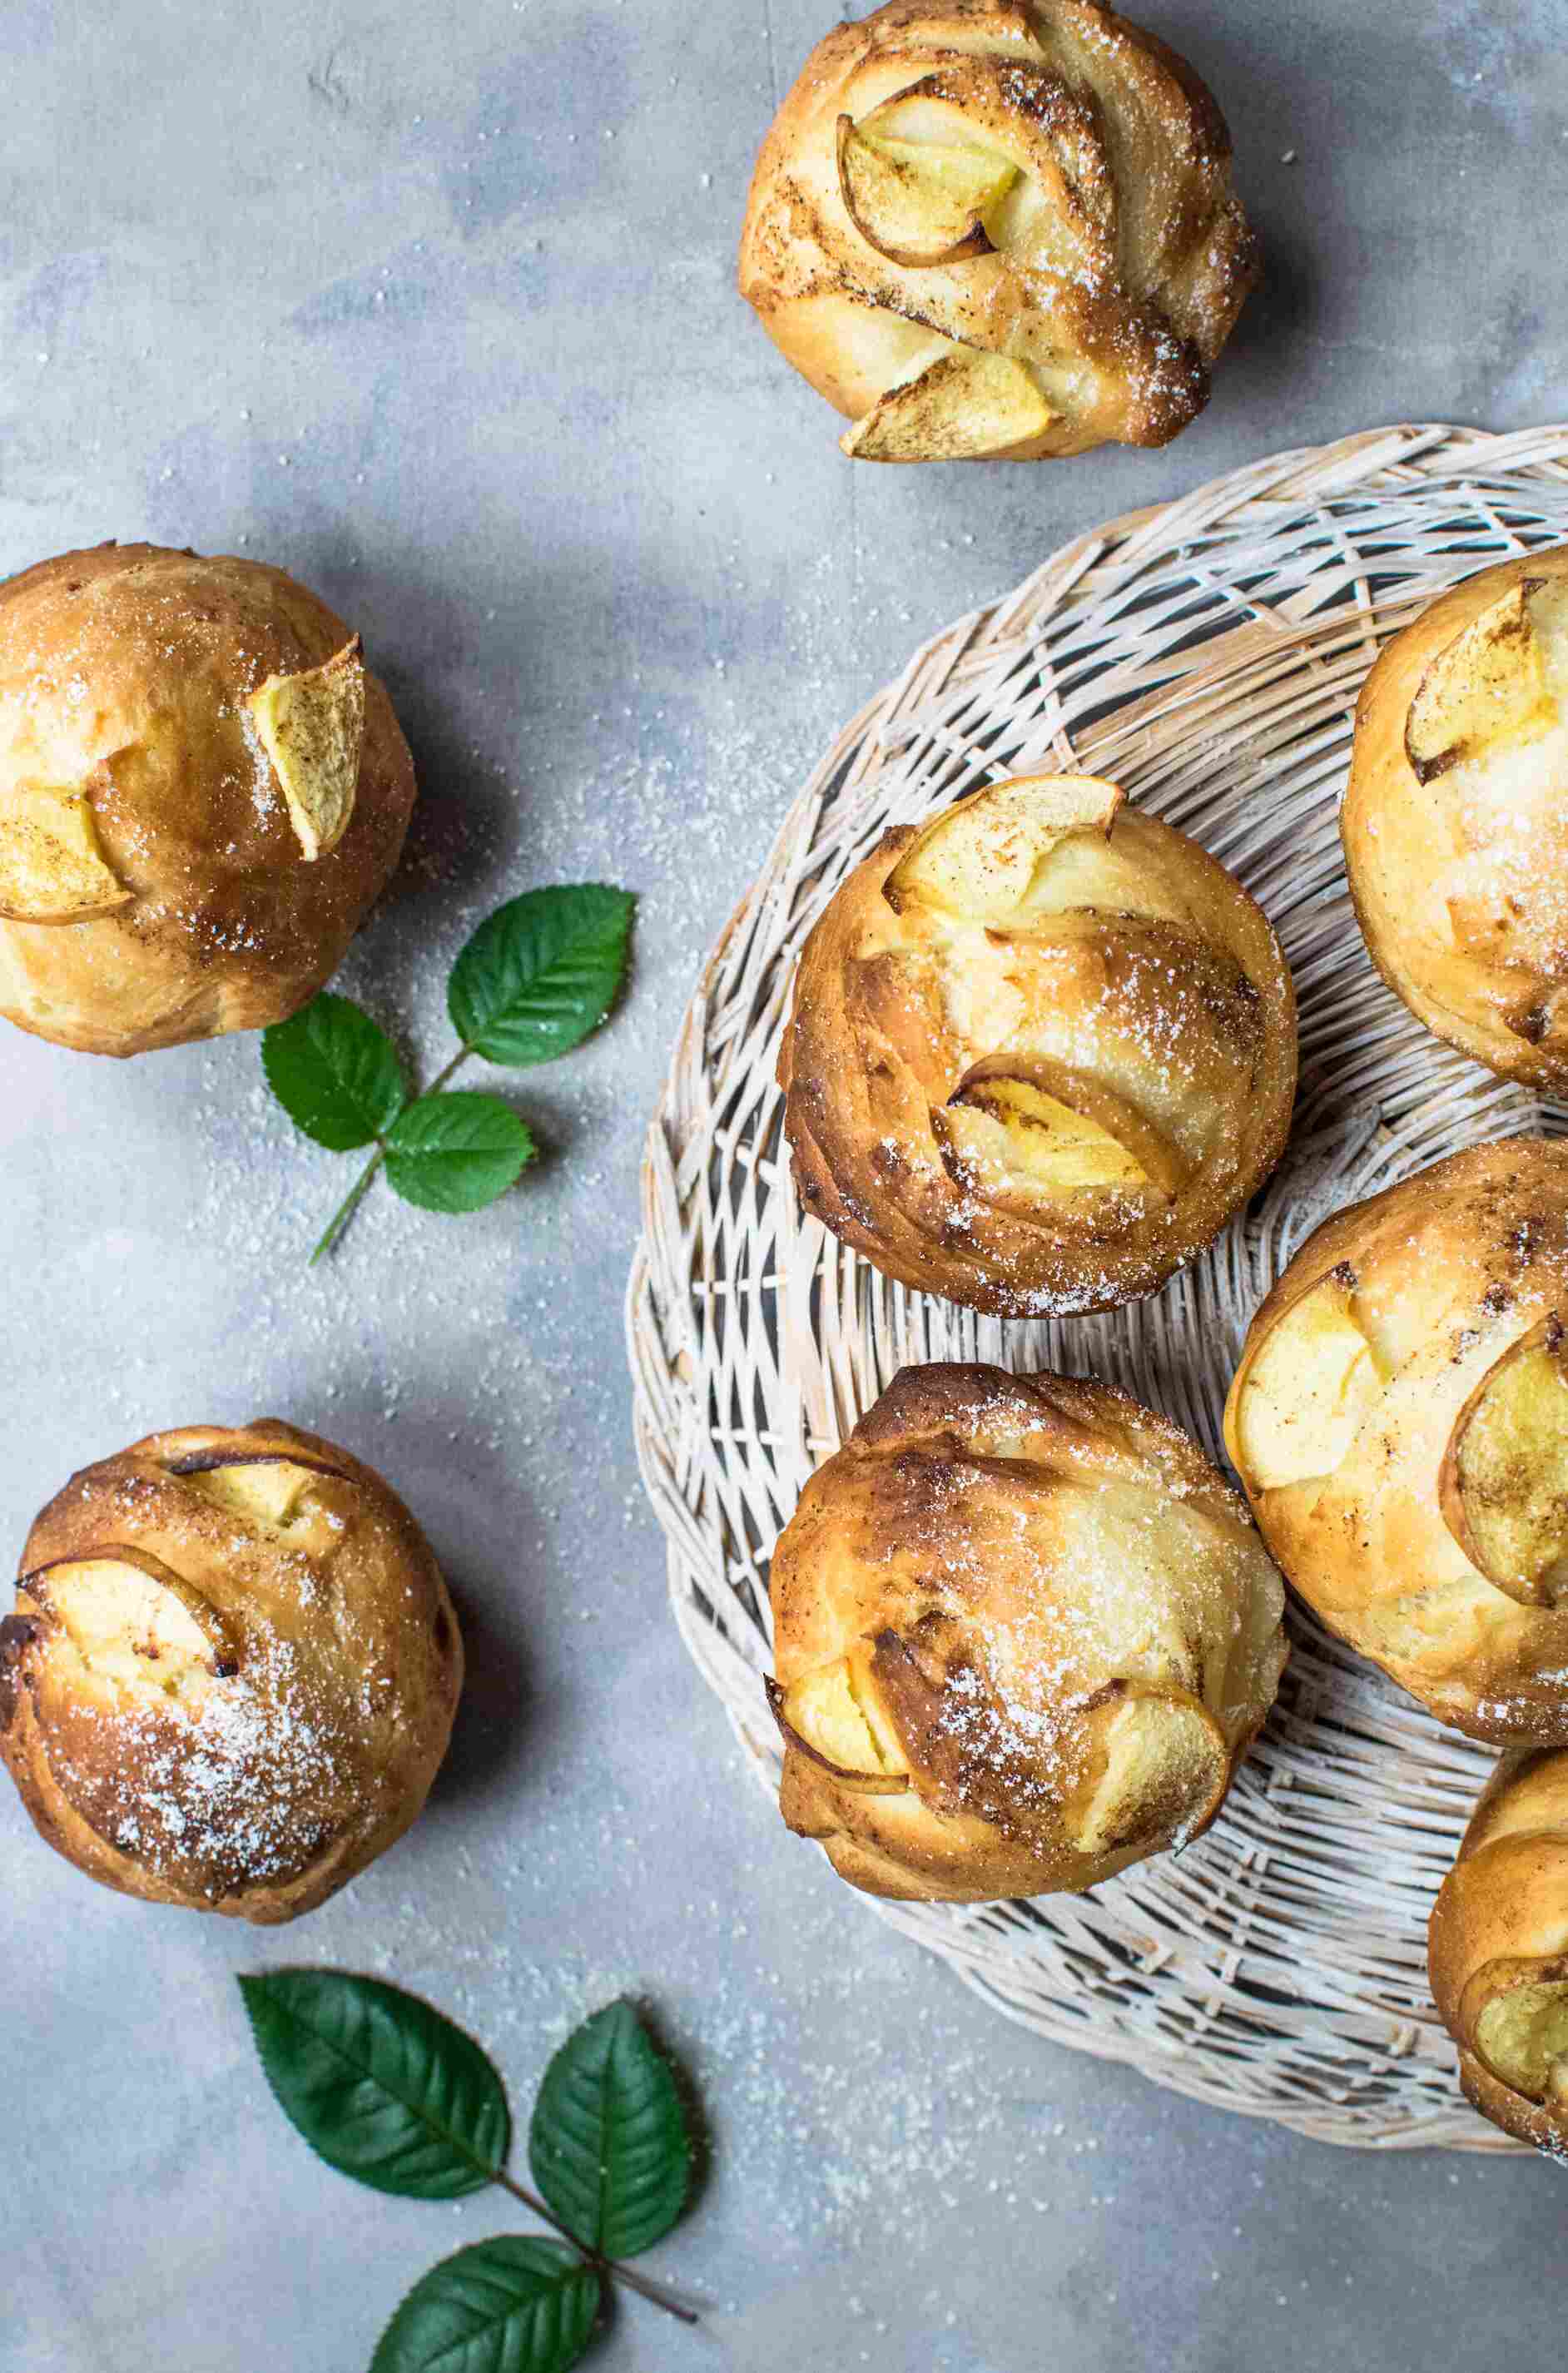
1184, 1013
1444, 1274
1462, 897
1119, 264
126, 669
1500, 1925
1537, 2123
257, 1779
1041, 1578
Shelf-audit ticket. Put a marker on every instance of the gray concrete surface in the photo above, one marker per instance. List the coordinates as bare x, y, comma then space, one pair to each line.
434, 306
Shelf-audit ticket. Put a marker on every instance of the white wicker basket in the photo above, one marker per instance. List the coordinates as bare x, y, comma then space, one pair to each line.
1207, 654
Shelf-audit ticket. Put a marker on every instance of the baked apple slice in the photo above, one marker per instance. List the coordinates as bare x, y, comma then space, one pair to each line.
1521, 2027
130, 1622
1503, 1482
262, 1490
311, 727
1018, 1129
919, 202
53, 868
835, 1716
1498, 682
1163, 1764
1058, 211
1301, 1399
965, 405
981, 858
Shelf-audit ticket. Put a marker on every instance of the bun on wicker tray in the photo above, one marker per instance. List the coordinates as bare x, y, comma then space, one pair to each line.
1499, 1950
1041, 1049
1399, 1420
1455, 819
1023, 1635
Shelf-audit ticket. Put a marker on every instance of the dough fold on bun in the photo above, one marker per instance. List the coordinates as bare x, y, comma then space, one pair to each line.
1023, 1634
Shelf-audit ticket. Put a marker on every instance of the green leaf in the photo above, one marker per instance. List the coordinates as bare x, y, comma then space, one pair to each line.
335, 1074
542, 973
608, 2141
381, 2085
456, 1151
507, 2306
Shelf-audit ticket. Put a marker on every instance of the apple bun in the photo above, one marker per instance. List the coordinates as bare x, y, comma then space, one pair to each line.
1399, 1420
998, 230
1041, 1048
1454, 822
202, 789
1023, 1635
232, 1670
1498, 1950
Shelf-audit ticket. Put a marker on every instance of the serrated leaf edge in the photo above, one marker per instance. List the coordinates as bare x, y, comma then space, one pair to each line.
525, 1150
483, 2174
623, 2024
628, 909
579, 2268
269, 1045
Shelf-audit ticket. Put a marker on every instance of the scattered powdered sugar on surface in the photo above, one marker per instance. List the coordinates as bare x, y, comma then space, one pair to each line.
479, 1360
869, 2126
409, 1290
457, 1332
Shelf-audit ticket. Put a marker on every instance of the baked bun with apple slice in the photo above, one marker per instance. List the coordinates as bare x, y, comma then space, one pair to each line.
1498, 1950
1454, 822
231, 1672
1399, 1420
202, 789
998, 230
1041, 1048
1023, 1634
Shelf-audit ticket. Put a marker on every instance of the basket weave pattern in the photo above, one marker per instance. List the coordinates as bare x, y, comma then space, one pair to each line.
1206, 655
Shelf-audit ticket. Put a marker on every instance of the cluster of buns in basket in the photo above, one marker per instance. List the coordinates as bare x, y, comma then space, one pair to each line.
1042, 1049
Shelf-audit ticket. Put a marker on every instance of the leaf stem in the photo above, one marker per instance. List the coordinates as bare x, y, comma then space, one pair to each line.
439, 1083
349, 1205
613, 2267
351, 1201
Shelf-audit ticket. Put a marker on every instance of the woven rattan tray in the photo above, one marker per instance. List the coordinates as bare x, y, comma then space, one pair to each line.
1207, 655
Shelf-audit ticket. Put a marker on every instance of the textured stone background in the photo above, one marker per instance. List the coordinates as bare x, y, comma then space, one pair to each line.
434, 306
